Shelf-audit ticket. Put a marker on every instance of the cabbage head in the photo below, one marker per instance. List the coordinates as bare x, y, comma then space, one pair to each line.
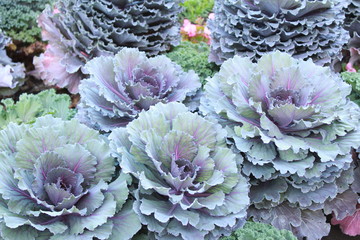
295, 125
56, 184
190, 186
123, 85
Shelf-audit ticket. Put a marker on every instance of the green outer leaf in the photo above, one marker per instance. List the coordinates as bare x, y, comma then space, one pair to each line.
30, 106
100, 216
126, 223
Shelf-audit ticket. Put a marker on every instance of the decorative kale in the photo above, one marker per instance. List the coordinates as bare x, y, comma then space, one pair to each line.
260, 231
353, 78
352, 19
12, 75
190, 186
79, 30
194, 9
121, 86
55, 184
31, 106
306, 29
18, 18
194, 56
296, 127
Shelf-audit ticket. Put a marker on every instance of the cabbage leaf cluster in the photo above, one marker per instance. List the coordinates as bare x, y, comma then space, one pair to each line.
352, 17
296, 127
56, 183
123, 85
31, 106
306, 29
190, 185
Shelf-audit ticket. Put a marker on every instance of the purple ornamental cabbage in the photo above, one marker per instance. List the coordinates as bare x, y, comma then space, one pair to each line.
12, 75
79, 30
55, 184
352, 16
296, 127
352, 52
190, 185
306, 29
120, 87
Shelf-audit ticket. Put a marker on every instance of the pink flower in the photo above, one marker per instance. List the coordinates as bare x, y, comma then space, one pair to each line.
189, 28
56, 11
354, 58
350, 68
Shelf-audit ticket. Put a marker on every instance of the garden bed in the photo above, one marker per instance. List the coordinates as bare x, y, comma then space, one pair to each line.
184, 119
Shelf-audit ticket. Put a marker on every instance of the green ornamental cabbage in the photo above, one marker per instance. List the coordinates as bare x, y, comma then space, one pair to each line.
190, 186
353, 78
194, 56
260, 231
31, 106
56, 184
296, 127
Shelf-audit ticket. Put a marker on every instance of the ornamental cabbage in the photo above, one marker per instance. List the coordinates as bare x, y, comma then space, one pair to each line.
353, 78
352, 19
79, 30
189, 181
12, 75
296, 127
306, 29
31, 106
120, 87
55, 184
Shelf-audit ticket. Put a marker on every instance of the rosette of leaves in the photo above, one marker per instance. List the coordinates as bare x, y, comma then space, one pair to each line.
55, 184
79, 30
306, 29
12, 75
18, 18
260, 231
191, 56
30, 106
296, 127
121, 86
190, 186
